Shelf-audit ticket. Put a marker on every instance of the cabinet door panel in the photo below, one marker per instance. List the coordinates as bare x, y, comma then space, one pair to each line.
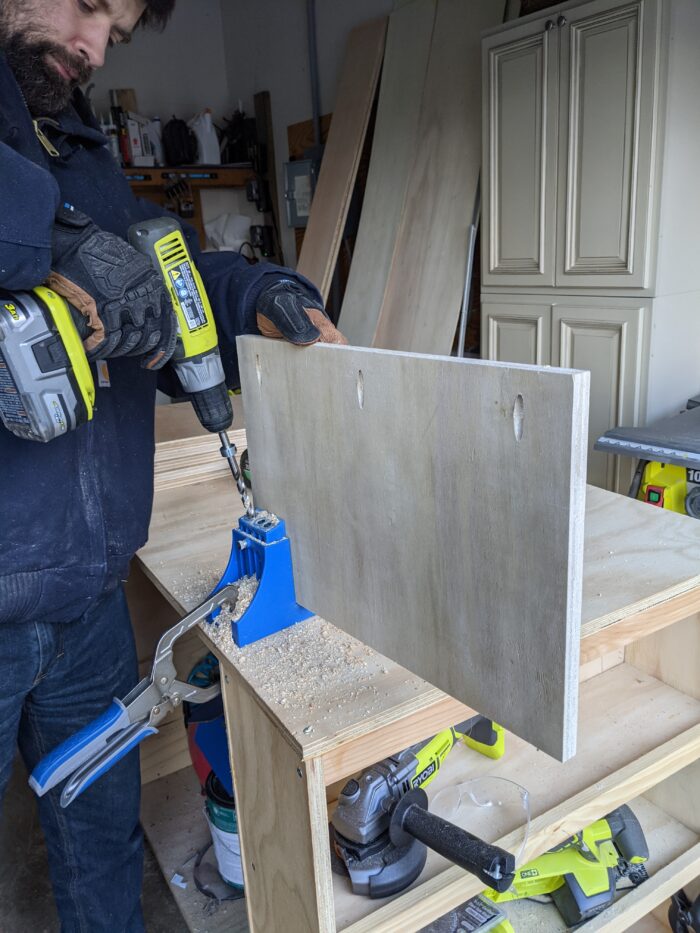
607, 113
608, 341
520, 88
516, 333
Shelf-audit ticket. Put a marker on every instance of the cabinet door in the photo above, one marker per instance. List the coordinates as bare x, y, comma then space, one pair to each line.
608, 100
520, 95
606, 337
515, 332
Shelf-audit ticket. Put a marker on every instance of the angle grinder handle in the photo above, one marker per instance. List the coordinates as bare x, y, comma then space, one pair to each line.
491, 864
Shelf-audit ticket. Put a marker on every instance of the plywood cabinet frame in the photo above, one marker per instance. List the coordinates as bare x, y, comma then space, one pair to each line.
646, 742
311, 776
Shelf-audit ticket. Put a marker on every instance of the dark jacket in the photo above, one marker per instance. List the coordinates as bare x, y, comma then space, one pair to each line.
74, 511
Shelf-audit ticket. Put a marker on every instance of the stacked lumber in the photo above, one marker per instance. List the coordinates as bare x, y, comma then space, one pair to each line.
185, 451
192, 459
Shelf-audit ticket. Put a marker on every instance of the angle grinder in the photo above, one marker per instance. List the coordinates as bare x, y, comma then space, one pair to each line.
381, 828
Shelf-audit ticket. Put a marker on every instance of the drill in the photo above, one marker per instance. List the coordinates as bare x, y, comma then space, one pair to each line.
196, 360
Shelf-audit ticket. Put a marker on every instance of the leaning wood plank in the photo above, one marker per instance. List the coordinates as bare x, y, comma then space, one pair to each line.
356, 92
393, 148
409, 484
426, 281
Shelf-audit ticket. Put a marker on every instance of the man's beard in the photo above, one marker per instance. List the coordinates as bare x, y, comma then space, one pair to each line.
45, 91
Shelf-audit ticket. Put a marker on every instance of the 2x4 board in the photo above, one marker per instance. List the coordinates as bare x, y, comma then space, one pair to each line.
435, 508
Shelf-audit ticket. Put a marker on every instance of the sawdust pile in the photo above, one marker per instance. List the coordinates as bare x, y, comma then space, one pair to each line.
317, 678
315, 675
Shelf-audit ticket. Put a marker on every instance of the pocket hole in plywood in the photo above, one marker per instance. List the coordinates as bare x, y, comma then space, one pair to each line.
360, 389
258, 369
518, 417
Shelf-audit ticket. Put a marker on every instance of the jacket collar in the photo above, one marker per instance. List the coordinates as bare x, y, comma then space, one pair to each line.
75, 121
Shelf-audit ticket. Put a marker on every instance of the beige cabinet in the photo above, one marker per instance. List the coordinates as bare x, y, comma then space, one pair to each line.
521, 87
590, 233
517, 332
570, 104
606, 336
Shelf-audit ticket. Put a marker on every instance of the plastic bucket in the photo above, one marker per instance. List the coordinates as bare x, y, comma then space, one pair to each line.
220, 811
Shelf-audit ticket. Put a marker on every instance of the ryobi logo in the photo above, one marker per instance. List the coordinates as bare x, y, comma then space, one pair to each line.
529, 873
424, 775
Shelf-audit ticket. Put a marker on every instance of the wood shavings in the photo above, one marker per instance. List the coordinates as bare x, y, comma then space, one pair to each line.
312, 673
191, 589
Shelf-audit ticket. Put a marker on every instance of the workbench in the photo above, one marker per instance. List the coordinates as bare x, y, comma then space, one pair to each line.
309, 707
152, 184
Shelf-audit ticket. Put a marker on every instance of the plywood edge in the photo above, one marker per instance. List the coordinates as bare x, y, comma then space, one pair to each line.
350, 754
580, 388
452, 887
626, 625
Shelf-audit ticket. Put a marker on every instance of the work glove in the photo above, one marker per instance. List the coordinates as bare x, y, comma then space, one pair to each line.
114, 290
288, 310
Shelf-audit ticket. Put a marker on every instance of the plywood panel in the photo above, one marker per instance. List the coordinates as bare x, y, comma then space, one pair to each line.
426, 281
393, 148
413, 494
356, 93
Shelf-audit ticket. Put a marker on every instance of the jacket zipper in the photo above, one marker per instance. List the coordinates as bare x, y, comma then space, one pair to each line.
44, 140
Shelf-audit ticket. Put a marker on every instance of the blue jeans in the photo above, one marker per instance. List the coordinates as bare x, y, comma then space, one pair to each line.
56, 677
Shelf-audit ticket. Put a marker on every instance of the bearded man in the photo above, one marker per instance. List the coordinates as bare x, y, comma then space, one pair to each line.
75, 510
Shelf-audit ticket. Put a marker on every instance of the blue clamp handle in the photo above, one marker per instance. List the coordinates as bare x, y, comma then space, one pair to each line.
114, 753
85, 744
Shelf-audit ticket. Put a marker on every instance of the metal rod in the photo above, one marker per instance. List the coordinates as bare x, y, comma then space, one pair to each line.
464, 310
313, 72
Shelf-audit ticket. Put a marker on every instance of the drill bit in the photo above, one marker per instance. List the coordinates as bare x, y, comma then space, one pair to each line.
228, 450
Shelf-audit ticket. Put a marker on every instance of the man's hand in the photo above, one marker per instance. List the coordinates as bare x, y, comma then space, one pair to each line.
115, 288
288, 311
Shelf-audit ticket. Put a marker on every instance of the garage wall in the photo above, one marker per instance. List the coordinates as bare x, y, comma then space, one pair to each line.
266, 49
217, 52
180, 71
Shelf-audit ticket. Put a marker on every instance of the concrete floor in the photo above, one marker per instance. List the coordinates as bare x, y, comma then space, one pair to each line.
26, 903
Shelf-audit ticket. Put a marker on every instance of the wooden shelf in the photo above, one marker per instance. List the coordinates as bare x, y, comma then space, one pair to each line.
668, 842
173, 821
151, 183
635, 730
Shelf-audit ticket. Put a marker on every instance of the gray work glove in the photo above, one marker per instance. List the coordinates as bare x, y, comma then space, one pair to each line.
116, 290
287, 310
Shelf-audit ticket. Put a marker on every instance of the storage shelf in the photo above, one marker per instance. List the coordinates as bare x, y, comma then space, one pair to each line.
667, 839
634, 731
172, 818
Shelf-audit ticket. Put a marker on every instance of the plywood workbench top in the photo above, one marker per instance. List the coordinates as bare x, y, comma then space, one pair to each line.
324, 688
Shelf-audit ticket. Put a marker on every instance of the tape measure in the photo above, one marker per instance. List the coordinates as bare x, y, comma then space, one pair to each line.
46, 386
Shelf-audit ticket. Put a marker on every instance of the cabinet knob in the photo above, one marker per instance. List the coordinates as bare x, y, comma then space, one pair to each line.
561, 20
548, 25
